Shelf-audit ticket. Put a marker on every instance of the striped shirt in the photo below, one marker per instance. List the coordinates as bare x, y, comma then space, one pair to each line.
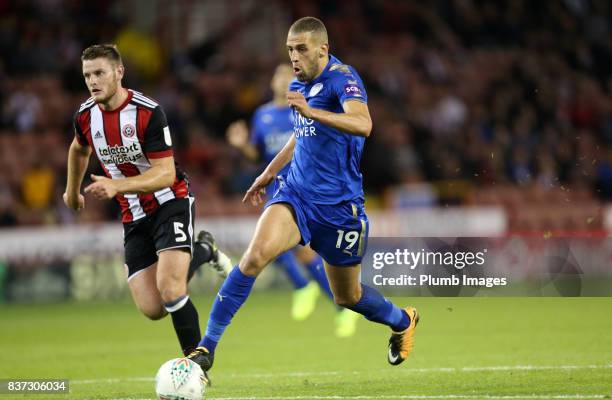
124, 141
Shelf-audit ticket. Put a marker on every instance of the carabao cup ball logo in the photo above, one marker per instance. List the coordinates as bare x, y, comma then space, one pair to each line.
129, 130
180, 371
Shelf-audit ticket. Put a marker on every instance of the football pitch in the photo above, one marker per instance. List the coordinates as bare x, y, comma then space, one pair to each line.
466, 348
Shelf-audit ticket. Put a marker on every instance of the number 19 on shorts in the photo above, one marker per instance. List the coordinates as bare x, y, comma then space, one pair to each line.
350, 238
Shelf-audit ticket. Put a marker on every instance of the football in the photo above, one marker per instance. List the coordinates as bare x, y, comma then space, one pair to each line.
180, 379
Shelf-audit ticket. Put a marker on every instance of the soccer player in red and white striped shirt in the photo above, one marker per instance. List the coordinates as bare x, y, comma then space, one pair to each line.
129, 134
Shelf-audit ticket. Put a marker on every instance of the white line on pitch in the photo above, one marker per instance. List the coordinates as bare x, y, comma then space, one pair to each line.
425, 397
404, 370
414, 397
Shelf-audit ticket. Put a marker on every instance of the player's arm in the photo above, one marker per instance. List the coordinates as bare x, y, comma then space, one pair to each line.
157, 147
257, 189
355, 119
282, 158
238, 136
160, 175
78, 159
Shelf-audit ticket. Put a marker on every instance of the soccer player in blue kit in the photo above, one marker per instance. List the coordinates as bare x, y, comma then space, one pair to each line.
271, 129
321, 202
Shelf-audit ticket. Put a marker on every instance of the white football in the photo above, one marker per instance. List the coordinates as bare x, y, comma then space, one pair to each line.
180, 379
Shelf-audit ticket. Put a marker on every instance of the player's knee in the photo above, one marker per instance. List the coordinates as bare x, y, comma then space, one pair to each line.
153, 312
253, 262
347, 299
171, 290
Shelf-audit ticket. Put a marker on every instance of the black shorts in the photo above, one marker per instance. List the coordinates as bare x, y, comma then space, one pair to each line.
170, 227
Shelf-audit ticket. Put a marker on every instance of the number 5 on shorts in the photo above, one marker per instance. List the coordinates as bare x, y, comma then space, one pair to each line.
180, 233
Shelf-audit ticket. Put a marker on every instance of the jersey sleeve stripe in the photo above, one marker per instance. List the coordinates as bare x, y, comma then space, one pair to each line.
90, 102
142, 103
145, 100
143, 97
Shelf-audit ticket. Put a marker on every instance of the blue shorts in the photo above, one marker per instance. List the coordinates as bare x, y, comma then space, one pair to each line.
337, 232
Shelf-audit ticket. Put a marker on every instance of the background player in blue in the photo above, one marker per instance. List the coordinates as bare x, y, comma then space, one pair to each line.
322, 199
271, 129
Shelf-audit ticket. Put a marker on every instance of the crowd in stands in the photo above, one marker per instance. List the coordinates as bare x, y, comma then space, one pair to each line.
473, 102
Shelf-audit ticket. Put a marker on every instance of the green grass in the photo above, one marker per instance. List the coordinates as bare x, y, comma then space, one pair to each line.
108, 350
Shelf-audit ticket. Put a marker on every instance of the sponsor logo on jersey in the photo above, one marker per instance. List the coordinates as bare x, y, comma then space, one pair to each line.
303, 127
98, 135
128, 130
352, 90
120, 154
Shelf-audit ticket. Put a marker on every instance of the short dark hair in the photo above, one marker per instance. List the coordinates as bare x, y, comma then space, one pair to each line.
310, 24
109, 51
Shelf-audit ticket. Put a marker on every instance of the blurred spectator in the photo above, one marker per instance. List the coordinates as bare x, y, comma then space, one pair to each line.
465, 95
37, 187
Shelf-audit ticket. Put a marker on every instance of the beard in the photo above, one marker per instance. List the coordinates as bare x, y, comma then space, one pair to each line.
112, 90
308, 72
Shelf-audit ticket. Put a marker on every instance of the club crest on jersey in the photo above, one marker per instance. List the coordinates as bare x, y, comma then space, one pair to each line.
128, 130
315, 90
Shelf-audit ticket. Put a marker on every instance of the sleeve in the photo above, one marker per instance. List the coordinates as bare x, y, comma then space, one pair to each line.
157, 138
78, 132
350, 87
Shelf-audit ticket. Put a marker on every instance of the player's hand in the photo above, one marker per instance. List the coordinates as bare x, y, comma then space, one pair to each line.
74, 203
102, 188
299, 103
258, 188
238, 134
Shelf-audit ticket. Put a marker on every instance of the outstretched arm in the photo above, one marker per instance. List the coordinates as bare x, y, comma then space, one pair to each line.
355, 119
257, 189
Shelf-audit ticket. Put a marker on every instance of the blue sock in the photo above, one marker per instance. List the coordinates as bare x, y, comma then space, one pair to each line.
231, 296
317, 271
290, 264
376, 308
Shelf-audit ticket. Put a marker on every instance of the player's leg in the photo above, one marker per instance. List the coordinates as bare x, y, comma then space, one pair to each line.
202, 253
141, 265
305, 293
276, 232
314, 265
172, 233
346, 320
282, 226
289, 263
171, 281
205, 250
343, 246
143, 287
367, 301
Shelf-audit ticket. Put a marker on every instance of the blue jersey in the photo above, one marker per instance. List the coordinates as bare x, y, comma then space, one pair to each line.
325, 165
271, 128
